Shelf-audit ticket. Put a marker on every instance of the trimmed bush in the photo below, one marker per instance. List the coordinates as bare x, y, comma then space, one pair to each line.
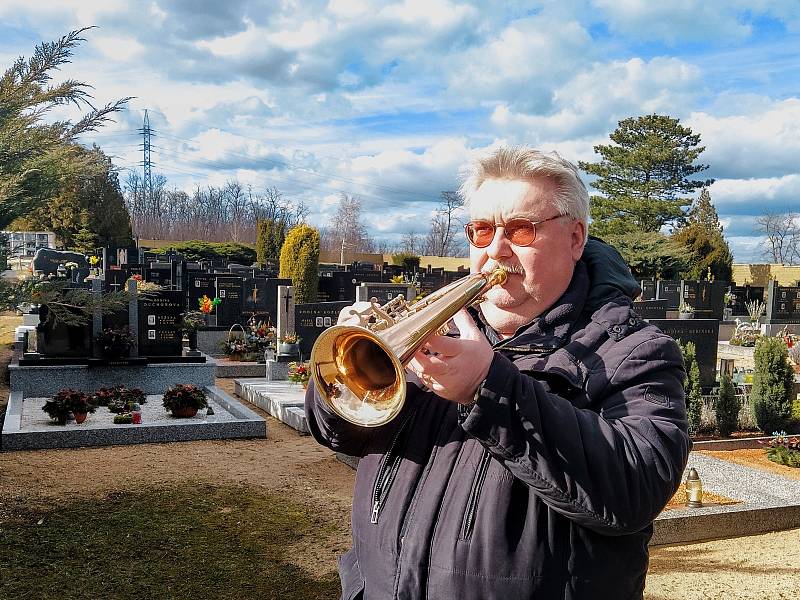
270, 236
773, 380
193, 250
694, 394
300, 262
728, 407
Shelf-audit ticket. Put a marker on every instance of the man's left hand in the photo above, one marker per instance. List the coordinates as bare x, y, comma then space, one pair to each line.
455, 367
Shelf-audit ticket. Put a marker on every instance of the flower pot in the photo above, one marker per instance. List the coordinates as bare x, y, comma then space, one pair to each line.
184, 412
80, 417
289, 349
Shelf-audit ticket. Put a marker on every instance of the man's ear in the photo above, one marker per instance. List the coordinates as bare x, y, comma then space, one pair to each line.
578, 239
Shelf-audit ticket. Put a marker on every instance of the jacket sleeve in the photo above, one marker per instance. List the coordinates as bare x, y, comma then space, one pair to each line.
333, 432
611, 469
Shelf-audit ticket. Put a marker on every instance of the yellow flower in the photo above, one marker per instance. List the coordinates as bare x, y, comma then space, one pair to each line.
93, 260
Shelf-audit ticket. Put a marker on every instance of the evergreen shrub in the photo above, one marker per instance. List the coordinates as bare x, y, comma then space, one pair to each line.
694, 394
300, 262
773, 382
728, 407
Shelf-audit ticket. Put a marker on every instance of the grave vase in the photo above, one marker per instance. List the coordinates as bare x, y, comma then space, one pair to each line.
685, 315
289, 349
192, 336
184, 412
80, 417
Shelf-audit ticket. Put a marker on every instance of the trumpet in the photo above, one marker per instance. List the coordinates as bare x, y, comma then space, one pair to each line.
359, 370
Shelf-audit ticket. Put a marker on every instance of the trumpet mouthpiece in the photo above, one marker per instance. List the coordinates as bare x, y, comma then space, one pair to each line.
498, 276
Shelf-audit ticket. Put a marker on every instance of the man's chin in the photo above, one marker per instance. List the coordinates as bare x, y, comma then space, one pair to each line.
500, 298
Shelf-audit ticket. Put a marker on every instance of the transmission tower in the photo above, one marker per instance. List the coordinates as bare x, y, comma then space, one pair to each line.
147, 182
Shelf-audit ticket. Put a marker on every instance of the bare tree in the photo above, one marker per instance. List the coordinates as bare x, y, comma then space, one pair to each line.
442, 237
345, 231
782, 231
411, 243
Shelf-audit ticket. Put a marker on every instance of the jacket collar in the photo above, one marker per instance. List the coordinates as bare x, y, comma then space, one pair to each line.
550, 330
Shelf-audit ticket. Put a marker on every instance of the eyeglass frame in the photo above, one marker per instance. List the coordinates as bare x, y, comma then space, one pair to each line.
496, 225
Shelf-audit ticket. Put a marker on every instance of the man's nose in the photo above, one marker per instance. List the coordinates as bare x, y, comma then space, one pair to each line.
500, 246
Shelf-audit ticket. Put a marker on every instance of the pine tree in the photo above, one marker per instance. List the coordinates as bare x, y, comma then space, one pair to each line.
728, 406
37, 157
644, 176
85, 241
704, 243
300, 262
773, 382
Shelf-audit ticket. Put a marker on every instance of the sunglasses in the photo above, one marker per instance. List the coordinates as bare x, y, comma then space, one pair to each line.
519, 231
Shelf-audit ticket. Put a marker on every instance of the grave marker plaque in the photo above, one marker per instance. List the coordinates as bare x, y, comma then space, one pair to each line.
784, 304
385, 291
310, 320
229, 310
706, 297
651, 309
159, 324
703, 333
199, 285
254, 298
669, 291
159, 273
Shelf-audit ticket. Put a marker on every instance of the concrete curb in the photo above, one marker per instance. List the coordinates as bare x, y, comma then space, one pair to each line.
282, 399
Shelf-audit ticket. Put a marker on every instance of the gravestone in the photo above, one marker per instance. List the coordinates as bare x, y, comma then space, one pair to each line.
159, 273
159, 324
199, 285
310, 320
648, 289
783, 307
707, 298
229, 310
47, 260
58, 340
430, 282
285, 319
254, 299
272, 298
134, 269
115, 280
744, 294
669, 291
704, 334
384, 292
651, 309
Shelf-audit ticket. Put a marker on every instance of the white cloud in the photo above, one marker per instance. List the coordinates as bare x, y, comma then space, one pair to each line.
592, 102
764, 140
755, 196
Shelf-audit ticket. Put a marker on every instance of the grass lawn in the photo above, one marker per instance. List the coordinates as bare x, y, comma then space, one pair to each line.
189, 541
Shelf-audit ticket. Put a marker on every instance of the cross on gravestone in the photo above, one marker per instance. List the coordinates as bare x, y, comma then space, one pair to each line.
285, 310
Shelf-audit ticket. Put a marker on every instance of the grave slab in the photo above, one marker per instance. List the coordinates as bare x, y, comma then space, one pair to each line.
27, 427
284, 400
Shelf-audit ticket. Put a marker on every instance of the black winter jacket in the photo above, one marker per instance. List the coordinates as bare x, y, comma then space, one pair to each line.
546, 488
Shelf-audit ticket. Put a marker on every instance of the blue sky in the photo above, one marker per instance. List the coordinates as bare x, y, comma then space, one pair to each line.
387, 100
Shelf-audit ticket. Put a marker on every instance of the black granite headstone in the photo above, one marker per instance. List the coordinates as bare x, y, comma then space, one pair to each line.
115, 280
704, 334
669, 291
310, 320
648, 289
159, 273
272, 298
386, 292
55, 339
784, 304
651, 309
430, 282
229, 310
199, 285
706, 297
159, 324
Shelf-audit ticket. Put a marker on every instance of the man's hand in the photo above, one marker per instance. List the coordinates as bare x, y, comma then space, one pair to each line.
455, 367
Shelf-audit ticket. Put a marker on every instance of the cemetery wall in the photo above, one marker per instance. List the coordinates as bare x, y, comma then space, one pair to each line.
760, 274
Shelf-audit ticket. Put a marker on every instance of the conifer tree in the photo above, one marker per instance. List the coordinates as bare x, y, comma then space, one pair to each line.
728, 406
644, 176
694, 393
773, 382
703, 240
300, 262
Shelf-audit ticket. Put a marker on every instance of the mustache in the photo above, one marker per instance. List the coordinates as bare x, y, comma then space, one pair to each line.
511, 269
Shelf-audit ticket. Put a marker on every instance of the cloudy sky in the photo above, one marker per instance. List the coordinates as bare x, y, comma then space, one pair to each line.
387, 99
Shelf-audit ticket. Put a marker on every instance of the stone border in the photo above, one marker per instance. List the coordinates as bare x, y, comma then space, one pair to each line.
283, 400
720, 522
246, 424
731, 444
233, 369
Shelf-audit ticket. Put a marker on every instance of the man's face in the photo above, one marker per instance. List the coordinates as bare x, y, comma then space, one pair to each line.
545, 267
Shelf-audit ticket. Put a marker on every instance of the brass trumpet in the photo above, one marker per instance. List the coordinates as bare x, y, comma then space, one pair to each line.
359, 370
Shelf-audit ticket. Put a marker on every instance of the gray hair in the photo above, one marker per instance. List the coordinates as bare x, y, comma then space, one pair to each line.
525, 163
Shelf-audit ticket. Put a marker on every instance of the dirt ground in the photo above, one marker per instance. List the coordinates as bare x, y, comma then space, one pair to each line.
758, 567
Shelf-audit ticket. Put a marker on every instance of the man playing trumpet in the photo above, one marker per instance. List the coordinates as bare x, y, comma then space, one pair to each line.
536, 448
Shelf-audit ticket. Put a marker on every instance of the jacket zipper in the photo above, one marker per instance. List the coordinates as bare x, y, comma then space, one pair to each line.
388, 470
474, 496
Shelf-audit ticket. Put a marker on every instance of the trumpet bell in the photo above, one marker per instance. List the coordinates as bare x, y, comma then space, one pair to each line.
358, 375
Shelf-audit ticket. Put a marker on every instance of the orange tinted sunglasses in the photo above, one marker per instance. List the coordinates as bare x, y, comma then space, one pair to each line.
519, 231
